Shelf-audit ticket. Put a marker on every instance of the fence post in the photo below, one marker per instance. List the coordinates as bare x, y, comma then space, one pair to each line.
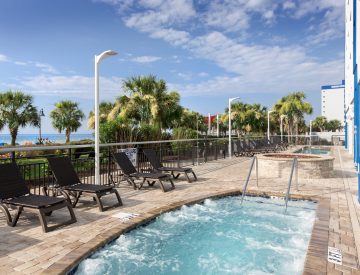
216, 150
178, 157
160, 152
109, 164
192, 154
205, 150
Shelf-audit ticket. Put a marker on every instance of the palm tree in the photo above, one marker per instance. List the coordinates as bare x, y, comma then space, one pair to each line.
246, 118
17, 111
334, 125
142, 103
191, 120
66, 116
294, 106
320, 123
105, 109
148, 103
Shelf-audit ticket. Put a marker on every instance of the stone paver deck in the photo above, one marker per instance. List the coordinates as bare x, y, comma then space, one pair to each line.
25, 249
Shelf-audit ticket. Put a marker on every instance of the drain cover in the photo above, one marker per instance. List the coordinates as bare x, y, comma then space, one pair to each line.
334, 255
125, 216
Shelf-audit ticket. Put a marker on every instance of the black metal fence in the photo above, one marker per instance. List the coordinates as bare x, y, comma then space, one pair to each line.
32, 161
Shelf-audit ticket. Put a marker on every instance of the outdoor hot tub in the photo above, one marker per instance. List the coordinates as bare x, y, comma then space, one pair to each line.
309, 166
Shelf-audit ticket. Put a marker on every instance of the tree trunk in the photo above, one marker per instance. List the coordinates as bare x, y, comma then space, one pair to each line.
290, 132
67, 133
13, 133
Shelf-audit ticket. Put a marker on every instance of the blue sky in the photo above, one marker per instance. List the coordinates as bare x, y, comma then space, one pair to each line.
208, 51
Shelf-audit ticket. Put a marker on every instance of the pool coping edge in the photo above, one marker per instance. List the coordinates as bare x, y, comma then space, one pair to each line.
316, 255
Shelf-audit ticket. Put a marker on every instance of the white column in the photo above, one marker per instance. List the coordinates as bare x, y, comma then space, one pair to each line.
97, 122
229, 128
98, 58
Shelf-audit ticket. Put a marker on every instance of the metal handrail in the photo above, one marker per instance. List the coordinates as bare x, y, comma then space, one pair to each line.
293, 168
254, 160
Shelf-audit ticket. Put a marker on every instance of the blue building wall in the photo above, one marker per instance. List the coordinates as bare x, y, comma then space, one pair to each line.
356, 100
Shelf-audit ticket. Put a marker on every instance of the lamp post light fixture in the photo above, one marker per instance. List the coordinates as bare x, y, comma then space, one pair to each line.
281, 126
41, 114
98, 59
268, 124
310, 130
230, 100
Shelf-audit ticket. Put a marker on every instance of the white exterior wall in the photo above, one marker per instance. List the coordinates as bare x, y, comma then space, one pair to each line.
332, 102
349, 77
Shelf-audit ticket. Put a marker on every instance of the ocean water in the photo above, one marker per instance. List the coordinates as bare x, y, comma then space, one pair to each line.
216, 237
33, 138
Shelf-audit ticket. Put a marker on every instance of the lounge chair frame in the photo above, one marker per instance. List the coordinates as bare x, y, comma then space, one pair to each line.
18, 196
130, 174
158, 166
67, 182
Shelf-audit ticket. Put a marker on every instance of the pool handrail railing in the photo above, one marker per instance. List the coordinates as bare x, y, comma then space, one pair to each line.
294, 167
254, 161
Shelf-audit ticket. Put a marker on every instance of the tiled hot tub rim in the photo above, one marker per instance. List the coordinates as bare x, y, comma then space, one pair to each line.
317, 243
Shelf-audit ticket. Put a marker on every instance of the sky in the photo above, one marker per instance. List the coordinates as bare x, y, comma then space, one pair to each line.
208, 51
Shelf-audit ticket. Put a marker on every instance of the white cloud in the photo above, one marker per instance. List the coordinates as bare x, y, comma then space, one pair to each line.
4, 58
71, 86
172, 36
289, 5
46, 68
305, 77
306, 7
20, 63
161, 14
184, 76
235, 15
203, 74
146, 59
226, 17
332, 27
254, 67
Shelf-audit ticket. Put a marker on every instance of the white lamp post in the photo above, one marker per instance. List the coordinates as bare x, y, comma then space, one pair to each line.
41, 114
230, 100
98, 59
268, 126
310, 131
281, 126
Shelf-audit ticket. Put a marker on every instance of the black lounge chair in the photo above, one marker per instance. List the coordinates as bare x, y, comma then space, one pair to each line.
130, 173
14, 192
157, 165
68, 181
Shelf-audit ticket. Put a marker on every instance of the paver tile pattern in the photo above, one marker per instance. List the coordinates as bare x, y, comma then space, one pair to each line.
25, 249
